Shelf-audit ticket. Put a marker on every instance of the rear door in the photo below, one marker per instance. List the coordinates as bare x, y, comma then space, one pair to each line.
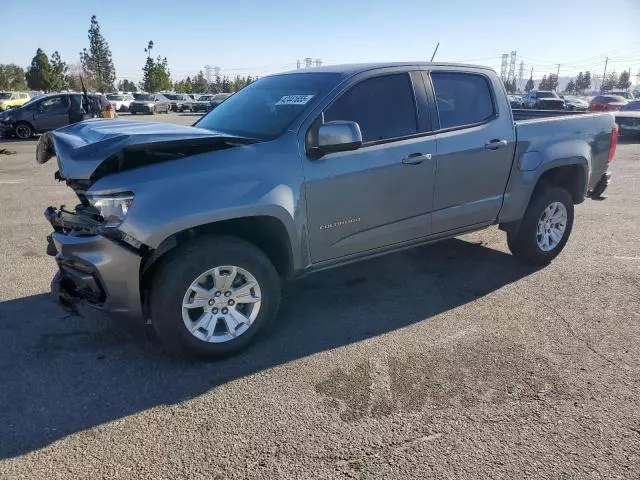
382, 193
52, 113
476, 144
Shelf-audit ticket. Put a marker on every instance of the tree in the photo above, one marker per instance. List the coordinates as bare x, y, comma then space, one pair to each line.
200, 84
12, 78
39, 73
227, 86
72, 80
184, 86
59, 70
552, 81
610, 81
97, 62
156, 75
571, 87
587, 81
126, 86
544, 83
529, 85
623, 81
578, 83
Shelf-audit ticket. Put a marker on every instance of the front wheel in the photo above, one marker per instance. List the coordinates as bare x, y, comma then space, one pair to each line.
545, 227
212, 296
24, 131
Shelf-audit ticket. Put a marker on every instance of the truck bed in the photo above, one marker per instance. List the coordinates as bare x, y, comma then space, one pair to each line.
527, 114
551, 133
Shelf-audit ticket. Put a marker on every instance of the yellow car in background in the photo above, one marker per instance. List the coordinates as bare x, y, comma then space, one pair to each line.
13, 99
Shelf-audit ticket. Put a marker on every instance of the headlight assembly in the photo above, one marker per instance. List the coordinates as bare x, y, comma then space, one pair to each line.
113, 208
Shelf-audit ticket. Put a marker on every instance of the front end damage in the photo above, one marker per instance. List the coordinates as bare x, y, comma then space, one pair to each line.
97, 262
94, 265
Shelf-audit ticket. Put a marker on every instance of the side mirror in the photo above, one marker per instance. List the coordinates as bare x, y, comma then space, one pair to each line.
339, 136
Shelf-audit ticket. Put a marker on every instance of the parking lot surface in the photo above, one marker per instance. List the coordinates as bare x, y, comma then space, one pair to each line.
448, 361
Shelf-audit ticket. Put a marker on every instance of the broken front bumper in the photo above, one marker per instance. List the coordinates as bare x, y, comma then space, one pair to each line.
98, 270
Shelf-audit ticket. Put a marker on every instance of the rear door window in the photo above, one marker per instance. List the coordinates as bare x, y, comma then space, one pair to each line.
462, 98
384, 107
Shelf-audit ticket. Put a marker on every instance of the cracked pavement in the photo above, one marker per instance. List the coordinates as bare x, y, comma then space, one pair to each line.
448, 361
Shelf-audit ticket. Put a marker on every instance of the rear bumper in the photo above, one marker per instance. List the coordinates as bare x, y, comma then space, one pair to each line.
97, 270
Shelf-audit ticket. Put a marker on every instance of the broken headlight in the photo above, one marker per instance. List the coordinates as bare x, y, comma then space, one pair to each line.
113, 208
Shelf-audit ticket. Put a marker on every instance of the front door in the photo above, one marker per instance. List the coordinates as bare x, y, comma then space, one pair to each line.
52, 113
475, 151
380, 194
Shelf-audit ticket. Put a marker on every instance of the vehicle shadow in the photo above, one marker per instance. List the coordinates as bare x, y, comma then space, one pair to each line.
63, 375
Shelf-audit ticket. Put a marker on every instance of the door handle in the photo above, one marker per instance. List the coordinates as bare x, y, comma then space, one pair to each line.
416, 158
495, 144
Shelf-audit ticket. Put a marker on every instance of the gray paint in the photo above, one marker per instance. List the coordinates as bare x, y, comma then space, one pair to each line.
341, 206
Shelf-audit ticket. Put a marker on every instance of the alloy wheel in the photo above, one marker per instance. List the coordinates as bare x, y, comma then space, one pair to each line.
221, 304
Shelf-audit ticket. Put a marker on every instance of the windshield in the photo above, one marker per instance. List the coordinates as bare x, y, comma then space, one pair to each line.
115, 97
5, 95
145, 98
546, 95
205, 97
172, 97
267, 107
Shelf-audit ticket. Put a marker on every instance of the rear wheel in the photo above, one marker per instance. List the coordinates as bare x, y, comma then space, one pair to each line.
545, 227
212, 296
24, 131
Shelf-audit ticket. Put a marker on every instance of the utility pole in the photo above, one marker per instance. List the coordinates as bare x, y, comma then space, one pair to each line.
520, 75
503, 66
606, 62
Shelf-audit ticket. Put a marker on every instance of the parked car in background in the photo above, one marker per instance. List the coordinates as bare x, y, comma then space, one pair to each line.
516, 101
180, 102
606, 103
202, 103
628, 119
575, 104
120, 101
13, 99
621, 93
150, 103
299, 172
543, 100
52, 111
217, 99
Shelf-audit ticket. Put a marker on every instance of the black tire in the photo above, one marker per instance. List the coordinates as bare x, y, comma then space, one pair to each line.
523, 241
23, 130
182, 266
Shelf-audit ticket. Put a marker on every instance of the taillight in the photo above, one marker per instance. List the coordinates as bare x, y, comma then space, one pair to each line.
614, 143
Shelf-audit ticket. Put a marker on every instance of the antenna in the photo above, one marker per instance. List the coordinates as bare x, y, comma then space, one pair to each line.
434, 52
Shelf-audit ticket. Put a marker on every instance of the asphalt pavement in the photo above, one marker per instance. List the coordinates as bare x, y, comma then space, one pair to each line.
448, 361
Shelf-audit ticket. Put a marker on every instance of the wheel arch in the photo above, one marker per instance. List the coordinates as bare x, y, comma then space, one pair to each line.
266, 232
571, 173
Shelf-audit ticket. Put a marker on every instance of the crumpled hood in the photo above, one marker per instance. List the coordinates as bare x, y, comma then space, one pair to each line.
82, 147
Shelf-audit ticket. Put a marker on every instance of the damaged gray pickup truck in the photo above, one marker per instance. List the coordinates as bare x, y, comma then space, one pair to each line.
196, 228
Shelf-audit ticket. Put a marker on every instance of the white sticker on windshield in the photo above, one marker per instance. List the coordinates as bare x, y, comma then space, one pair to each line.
294, 100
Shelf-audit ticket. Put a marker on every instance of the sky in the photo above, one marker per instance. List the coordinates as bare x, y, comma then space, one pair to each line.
259, 37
